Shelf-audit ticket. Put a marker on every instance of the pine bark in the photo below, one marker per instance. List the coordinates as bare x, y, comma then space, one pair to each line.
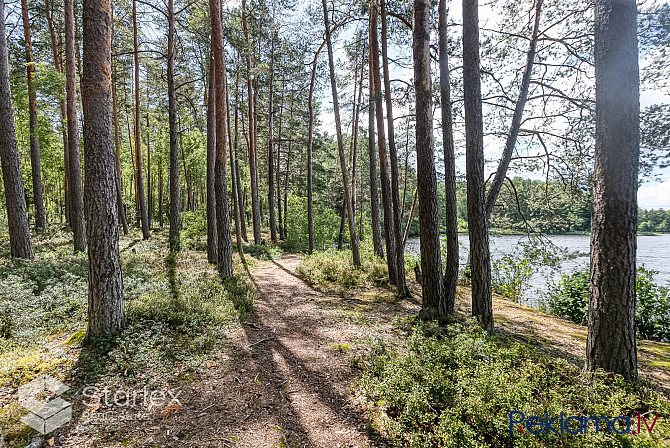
431, 263
58, 65
310, 143
36, 171
451, 270
175, 199
611, 338
351, 219
139, 176
401, 282
121, 209
77, 221
222, 211
474, 151
253, 158
106, 313
17, 217
387, 201
374, 195
271, 150
212, 239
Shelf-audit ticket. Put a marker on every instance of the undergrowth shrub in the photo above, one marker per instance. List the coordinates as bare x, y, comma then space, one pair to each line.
569, 298
326, 225
334, 269
455, 387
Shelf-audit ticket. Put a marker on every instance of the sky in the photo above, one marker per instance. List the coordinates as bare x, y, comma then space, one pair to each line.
651, 194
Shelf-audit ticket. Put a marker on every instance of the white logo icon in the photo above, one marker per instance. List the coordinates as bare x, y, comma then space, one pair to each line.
41, 397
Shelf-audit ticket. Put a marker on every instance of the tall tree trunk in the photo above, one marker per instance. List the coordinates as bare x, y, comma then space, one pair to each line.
351, 218
40, 219
58, 65
429, 226
376, 92
222, 212
160, 192
106, 313
280, 225
480, 261
150, 195
235, 169
175, 199
139, 177
451, 213
611, 338
271, 154
286, 175
310, 143
212, 237
374, 198
17, 216
253, 158
515, 126
117, 159
76, 195
393, 154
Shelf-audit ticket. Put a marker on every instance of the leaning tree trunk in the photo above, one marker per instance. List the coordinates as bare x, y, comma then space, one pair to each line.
611, 339
515, 127
17, 217
175, 206
393, 155
222, 212
429, 226
451, 272
106, 313
474, 151
36, 171
376, 92
212, 239
139, 177
77, 221
235, 168
351, 218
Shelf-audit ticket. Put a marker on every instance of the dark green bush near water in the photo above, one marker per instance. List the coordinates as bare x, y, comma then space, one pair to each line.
570, 299
455, 387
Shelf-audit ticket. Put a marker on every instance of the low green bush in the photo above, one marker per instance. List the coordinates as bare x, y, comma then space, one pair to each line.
326, 225
334, 269
455, 387
569, 298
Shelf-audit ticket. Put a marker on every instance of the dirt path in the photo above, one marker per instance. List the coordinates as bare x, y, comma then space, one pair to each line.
286, 382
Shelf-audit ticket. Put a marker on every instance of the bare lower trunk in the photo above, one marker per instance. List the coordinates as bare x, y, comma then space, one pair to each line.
387, 201
175, 205
474, 141
77, 221
17, 217
106, 313
451, 213
212, 239
374, 195
429, 227
121, 210
340, 144
139, 177
611, 339
222, 212
271, 155
40, 219
393, 155
253, 158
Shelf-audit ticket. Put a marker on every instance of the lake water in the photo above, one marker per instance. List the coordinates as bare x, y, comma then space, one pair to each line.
652, 251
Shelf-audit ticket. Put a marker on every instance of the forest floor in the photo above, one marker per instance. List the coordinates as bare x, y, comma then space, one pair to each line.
283, 375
